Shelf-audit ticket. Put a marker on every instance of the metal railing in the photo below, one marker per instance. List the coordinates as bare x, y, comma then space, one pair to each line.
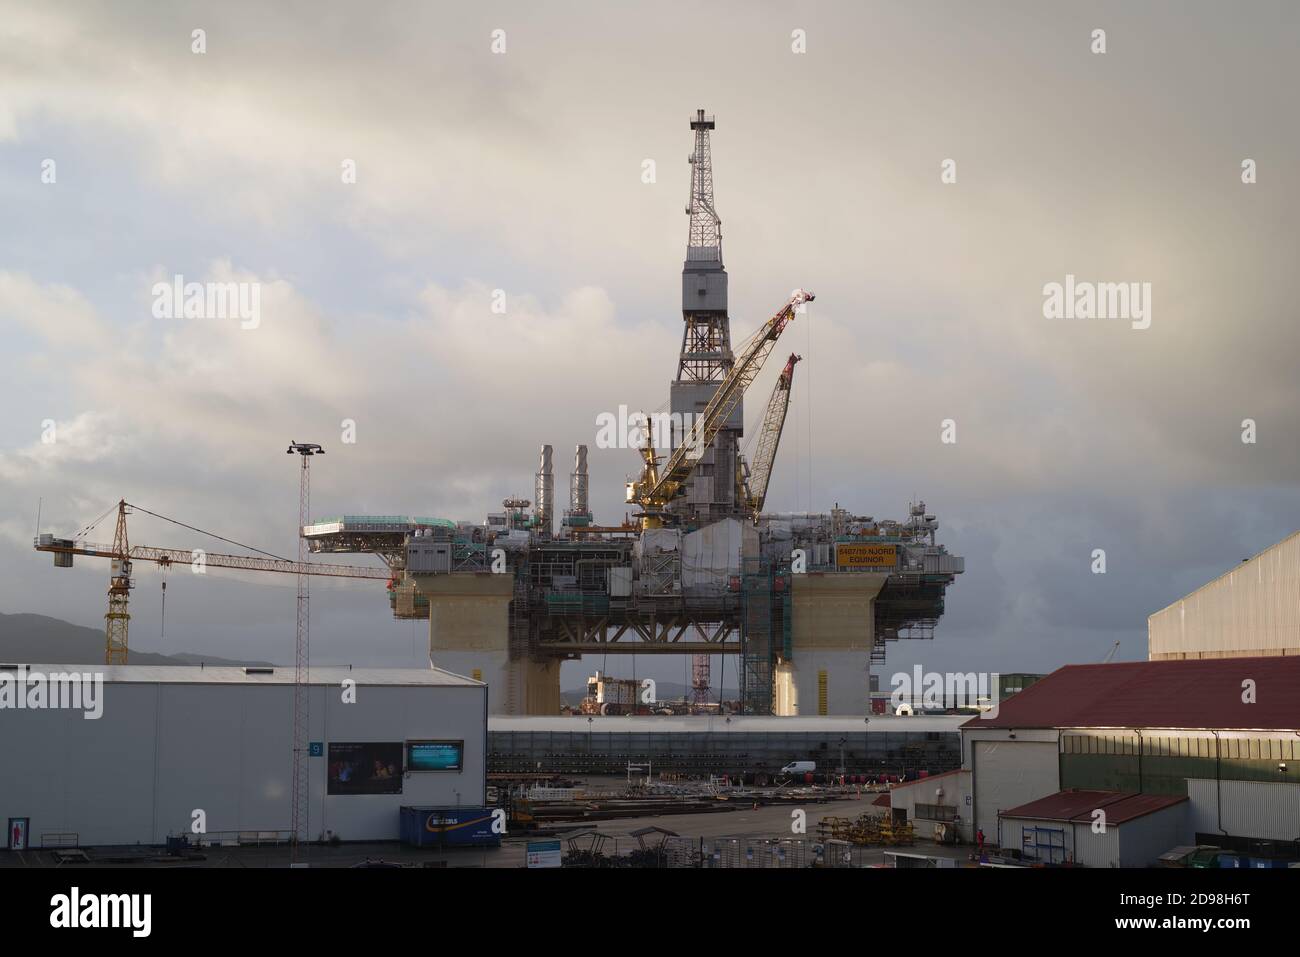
60, 839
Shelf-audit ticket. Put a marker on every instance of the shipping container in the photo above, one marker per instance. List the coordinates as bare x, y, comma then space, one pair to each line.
448, 827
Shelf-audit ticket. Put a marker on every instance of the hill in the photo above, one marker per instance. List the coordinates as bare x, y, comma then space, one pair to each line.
39, 638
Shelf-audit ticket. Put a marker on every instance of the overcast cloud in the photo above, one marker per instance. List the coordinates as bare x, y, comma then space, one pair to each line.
523, 172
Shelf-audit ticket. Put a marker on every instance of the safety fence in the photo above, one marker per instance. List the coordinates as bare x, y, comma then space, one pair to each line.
686, 852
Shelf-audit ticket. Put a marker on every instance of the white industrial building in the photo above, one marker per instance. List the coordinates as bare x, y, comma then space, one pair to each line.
1251, 610
1096, 828
939, 805
173, 745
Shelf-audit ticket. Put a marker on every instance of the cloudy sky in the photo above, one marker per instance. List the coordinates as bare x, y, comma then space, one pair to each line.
522, 171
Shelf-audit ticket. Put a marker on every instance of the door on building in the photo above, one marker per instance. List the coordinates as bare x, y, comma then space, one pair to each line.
17, 831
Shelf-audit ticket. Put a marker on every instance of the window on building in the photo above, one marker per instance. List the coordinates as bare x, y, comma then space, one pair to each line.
935, 812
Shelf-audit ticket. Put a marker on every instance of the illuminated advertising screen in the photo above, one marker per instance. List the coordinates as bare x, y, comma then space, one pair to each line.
435, 755
365, 768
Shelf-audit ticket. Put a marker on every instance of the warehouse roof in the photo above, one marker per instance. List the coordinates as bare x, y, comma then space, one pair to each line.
1194, 694
1237, 569
834, 728
1079, 805
196, 674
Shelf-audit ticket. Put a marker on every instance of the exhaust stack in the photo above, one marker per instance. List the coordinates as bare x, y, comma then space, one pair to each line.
545, 509
578, 483
578, 514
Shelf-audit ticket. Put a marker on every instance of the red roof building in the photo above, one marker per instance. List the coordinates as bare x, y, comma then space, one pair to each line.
1095, 828
1079, 805
1194, 694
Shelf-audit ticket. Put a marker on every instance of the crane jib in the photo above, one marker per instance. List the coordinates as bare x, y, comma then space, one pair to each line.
655, 489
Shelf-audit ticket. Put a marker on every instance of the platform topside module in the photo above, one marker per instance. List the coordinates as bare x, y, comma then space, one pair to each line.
806, 601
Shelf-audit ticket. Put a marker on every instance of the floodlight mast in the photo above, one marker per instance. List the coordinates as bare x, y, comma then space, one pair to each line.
302, 659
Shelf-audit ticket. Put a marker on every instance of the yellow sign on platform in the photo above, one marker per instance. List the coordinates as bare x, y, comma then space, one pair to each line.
866, 556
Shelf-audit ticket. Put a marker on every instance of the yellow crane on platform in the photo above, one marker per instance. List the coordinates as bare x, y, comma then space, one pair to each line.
656, 487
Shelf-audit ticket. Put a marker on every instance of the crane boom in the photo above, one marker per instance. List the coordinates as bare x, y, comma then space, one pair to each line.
185, 556
123, 554
656, 488
769, 438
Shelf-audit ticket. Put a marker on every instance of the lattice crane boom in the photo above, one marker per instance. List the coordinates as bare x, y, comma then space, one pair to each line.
769, 438
185, 556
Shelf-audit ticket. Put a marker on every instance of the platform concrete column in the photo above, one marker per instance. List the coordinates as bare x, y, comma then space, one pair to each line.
469, 631
541, 684
833, 634
785, 693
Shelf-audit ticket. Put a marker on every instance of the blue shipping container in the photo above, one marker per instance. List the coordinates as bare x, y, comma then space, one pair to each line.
448, 827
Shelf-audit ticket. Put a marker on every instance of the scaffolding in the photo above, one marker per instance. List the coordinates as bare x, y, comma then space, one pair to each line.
782, 610
756, 639
520, 633
767, 633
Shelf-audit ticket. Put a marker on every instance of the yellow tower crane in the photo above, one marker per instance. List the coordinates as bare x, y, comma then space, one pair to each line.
656, 488
123, 554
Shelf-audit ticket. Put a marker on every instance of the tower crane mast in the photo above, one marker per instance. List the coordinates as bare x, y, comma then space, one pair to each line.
118, 617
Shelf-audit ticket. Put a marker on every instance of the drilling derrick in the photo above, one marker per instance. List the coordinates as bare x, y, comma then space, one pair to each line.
705, 358
706, 355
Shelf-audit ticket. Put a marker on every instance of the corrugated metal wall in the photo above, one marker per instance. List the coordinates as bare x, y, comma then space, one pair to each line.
1254, 609
1008, 774
1143, 840
1135, 843
1013, 837
1109, 760
1250, 808
1101, 850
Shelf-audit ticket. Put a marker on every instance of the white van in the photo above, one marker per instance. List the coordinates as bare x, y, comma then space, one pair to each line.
799, 767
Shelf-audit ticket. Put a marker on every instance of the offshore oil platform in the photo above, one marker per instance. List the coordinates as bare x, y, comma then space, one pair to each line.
804, 601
